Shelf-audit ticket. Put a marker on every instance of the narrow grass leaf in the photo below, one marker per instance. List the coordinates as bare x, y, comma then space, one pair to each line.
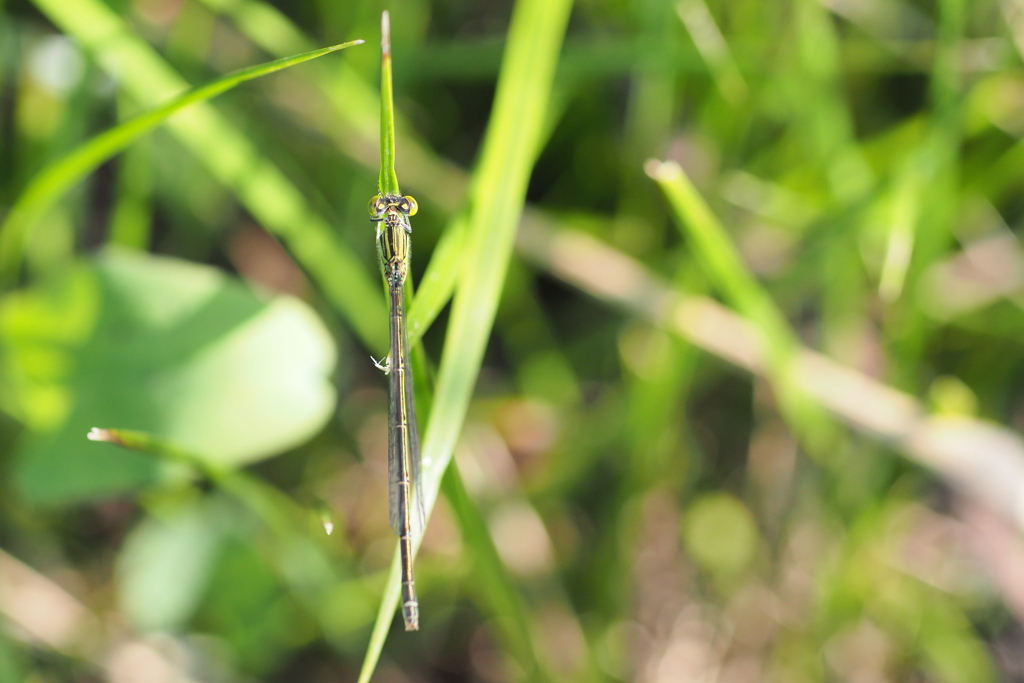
725, 269
60, 176
435, 289
388, 183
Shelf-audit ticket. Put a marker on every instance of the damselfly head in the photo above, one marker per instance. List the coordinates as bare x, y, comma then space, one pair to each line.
406, 205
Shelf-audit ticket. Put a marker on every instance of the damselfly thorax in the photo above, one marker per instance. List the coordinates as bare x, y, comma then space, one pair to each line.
391, 213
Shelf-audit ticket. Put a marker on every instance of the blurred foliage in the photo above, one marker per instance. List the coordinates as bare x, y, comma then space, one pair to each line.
640, 490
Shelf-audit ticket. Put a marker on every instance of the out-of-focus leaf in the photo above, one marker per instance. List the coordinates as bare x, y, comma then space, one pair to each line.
161, 346
165, 565
246, 604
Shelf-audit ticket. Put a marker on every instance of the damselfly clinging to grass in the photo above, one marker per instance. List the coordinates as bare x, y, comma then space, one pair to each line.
391, 213
390, 210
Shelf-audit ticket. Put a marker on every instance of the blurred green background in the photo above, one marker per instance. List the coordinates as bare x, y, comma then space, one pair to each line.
747, 412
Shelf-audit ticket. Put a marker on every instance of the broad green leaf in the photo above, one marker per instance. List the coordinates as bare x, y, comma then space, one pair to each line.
165, 566
161, 346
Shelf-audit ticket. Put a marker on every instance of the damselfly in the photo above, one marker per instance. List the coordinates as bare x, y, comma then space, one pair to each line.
391, 214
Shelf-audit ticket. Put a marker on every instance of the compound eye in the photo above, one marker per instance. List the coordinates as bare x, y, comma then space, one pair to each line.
409, 206
376, 206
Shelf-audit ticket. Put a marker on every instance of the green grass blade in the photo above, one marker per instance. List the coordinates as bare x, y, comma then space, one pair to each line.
150, 444
707, 37
388, 183
57, 178
435, 289
725, 269
497, 197
234, 161
721, 261
279, 512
